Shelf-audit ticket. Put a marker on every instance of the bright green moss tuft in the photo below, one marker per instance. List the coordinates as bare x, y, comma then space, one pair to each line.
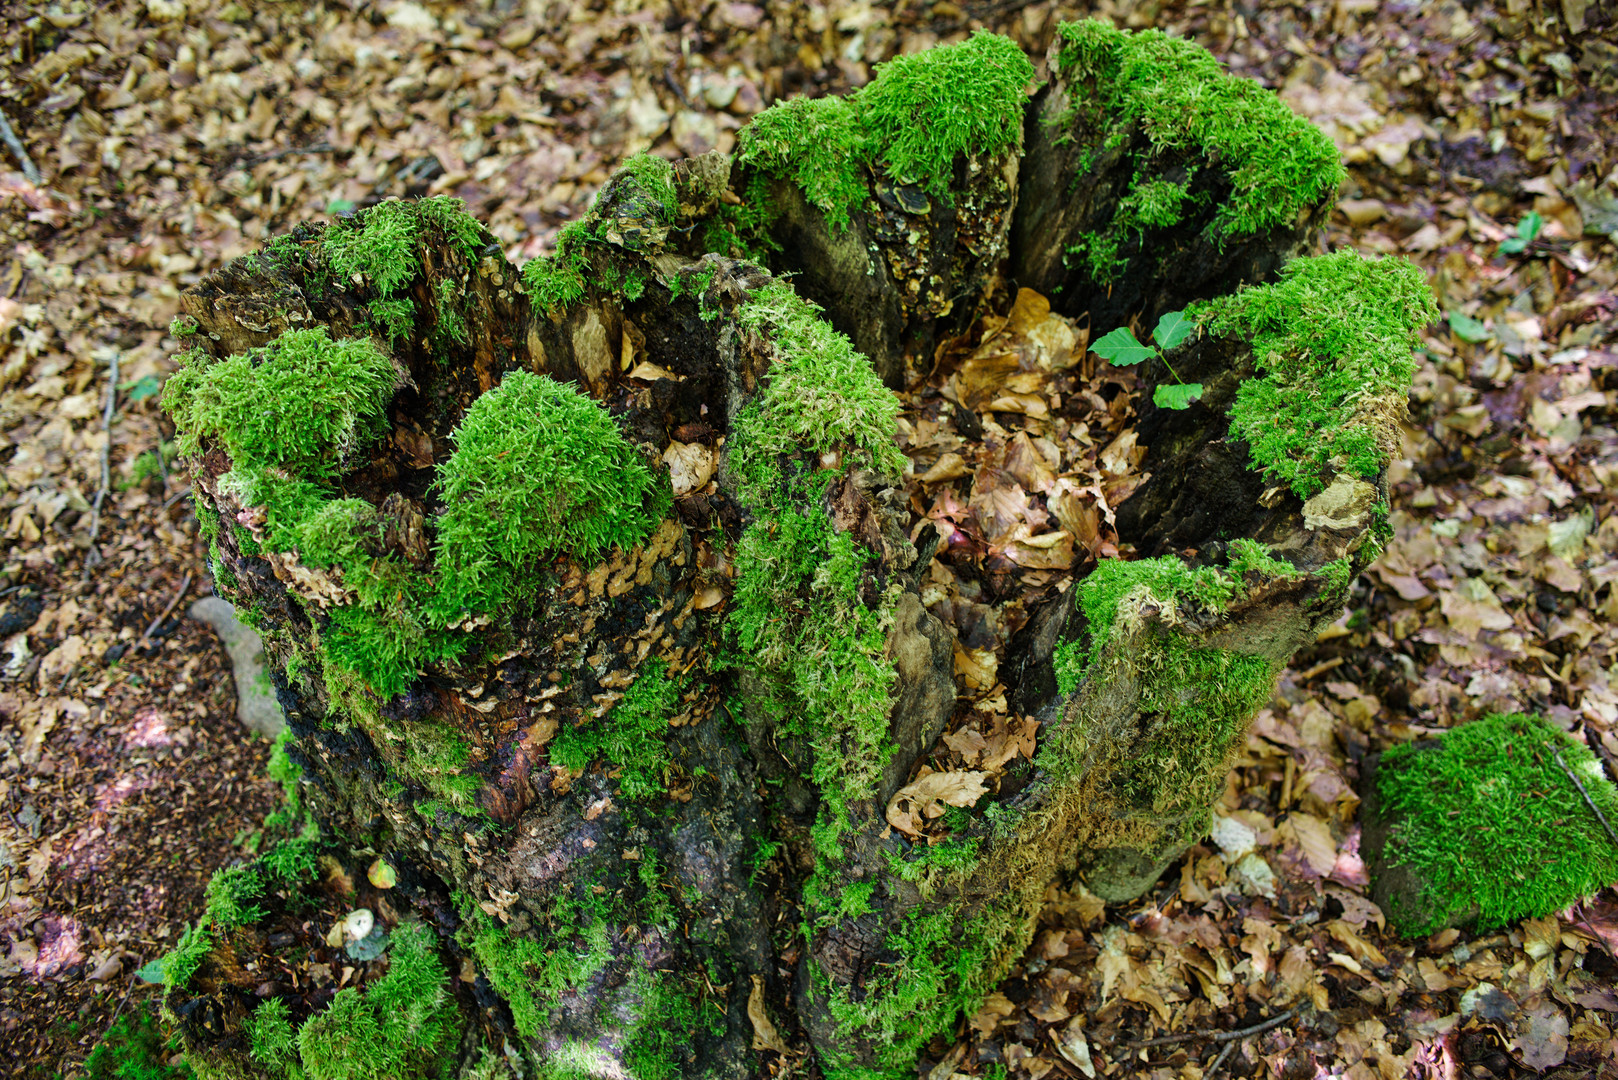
1333, 340
532, 974
1114, 582
134, 1049
272, 1040
630, 738
393, 319
914, 119
656, 178
1192, 110
301, 403
538, 468
1489, 818
404, 1026
822, 396
1251, 557
380, 243
231, 893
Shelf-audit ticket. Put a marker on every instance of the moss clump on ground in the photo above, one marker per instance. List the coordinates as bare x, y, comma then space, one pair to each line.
1333, 341
1191, 111
302, 403
538, 468
630, 738
403, 1026
1490, 818
381, 242
913, 120
134, 1048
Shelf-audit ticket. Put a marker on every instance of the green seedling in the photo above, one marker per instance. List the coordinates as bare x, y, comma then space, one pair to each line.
1467, 328
1121, 347
1527, 232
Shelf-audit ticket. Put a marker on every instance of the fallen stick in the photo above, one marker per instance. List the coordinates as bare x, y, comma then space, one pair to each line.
29, 172
92, 557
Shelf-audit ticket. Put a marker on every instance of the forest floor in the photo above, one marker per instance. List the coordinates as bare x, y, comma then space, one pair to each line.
169, 141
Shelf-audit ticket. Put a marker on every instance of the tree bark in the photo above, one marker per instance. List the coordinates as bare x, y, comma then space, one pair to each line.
735, 866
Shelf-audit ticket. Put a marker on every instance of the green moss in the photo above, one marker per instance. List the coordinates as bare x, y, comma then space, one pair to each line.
183, 326
436, 757
532, 973
1203, 700
404, 1026
939, 968
1490, 818
134, 1048
381, 243
393, 319
272, 1040
821, 396
630, 738
1191, 110
913, 120
1333, 341
1251, 557
231, 893
669, 1016
639, 197
192, 948
451, 325
538, 469
1113, 582
302, 403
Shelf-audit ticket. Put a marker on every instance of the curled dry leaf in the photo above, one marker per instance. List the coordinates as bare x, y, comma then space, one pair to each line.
765, 1037
995, 1008
1073, 1046
926, 798
691, 466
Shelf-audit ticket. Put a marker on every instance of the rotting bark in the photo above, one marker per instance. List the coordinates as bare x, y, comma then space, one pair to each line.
639, 787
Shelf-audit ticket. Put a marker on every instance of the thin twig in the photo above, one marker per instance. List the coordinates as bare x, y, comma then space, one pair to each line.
1219, 1061
92, 557
1217, 1036
29, 173
1587, 801
173, 600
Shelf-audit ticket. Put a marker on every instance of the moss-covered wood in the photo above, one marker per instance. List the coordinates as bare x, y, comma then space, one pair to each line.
1153, 177
593, 597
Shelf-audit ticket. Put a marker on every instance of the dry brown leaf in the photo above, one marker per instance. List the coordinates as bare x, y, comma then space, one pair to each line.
1073, 1046
691, 466
931, 793
949, 466
995, 1008
765, 1037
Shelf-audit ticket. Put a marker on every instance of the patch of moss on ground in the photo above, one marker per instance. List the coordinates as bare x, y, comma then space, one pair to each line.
1191, 111
915, 117
1489, 817
1333, 341
538, 468
134, 1048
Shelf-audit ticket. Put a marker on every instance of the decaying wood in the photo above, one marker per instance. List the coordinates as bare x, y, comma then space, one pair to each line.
675, 367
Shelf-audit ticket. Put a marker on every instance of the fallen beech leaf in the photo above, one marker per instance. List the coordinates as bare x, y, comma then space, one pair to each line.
995, 1008
1074, 1047
382, 874
765, 1037
691, 466
947, 467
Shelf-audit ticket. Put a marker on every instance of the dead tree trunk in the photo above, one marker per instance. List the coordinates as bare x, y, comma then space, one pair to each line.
594, 602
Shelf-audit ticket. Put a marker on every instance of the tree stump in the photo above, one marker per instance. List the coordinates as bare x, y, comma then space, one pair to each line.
595, 606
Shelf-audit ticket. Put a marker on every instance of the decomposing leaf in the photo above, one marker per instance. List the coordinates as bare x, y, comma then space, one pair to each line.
765, 1037
928, 796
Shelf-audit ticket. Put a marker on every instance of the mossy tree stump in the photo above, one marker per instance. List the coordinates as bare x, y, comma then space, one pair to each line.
593, 602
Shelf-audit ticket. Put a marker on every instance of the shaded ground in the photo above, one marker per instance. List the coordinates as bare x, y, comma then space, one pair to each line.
169, 142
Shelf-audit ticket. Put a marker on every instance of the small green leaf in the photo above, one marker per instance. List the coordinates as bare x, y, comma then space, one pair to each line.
151, 973
1172, 329
1512, 246
1120, 347
142, 388
1468, 329
1528, 228
340, 206
1176, 395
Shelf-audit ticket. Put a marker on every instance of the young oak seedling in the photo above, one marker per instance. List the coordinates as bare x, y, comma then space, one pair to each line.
1121, 347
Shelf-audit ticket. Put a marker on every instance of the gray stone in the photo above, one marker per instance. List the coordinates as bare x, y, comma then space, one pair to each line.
256, 705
